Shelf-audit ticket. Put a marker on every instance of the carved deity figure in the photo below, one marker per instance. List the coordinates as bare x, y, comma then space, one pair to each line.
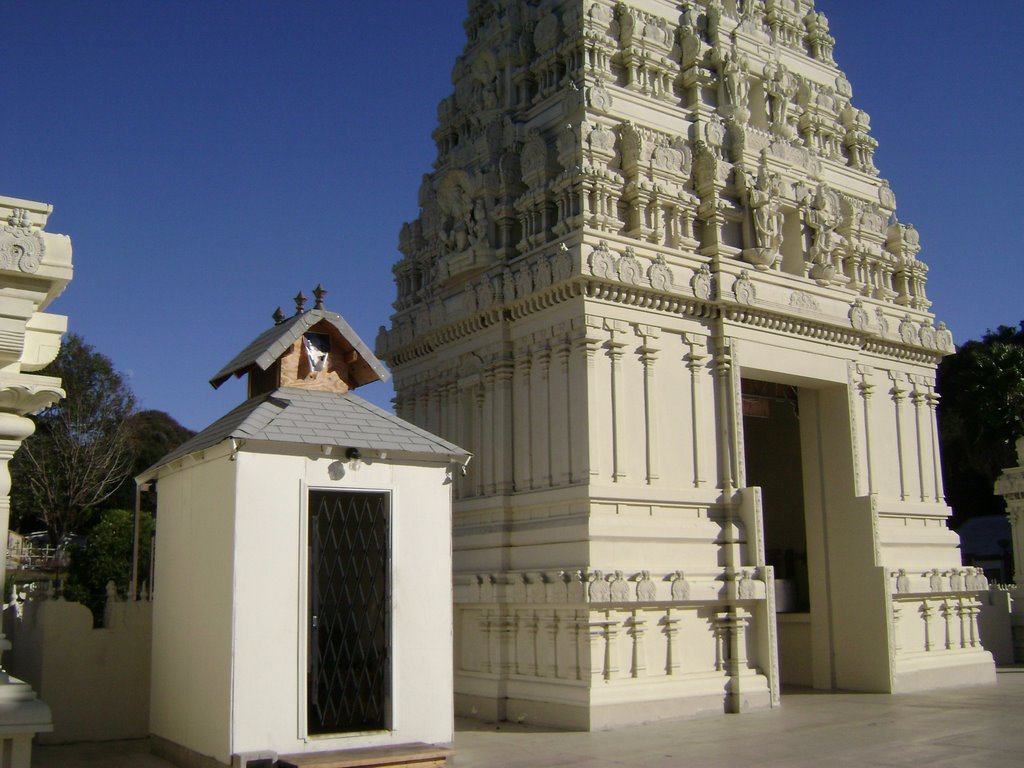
822, 222
734, 78
763, 200
780, 92
477, 226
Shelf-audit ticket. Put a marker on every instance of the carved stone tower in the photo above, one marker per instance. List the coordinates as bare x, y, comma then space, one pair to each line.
659, 289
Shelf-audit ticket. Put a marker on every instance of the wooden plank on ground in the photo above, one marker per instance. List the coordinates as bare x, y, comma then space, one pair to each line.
412, 755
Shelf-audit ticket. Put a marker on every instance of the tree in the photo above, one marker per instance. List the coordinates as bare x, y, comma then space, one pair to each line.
981, 415
151, 436
81, 450
106, 557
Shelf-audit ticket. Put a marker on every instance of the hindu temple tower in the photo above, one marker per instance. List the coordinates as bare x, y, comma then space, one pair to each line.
659, 289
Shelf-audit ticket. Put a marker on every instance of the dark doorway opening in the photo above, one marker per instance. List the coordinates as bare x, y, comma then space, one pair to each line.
771, 433
349, 681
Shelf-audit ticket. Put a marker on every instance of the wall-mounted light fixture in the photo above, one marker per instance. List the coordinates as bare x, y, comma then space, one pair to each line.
355, 459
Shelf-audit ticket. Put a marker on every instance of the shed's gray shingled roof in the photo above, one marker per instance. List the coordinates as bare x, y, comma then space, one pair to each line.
274, 342
291, 415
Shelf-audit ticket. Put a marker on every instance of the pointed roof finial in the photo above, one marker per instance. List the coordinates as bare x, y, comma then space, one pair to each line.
318, 293
300, 303
278, 316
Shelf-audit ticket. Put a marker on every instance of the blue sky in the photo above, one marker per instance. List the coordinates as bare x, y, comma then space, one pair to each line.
210, 159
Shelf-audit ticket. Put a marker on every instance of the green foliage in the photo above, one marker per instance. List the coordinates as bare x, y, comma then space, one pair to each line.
981, 414
106, 556
80, 451
151, 436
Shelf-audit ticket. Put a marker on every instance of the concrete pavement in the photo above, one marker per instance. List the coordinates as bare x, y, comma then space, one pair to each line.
968, 726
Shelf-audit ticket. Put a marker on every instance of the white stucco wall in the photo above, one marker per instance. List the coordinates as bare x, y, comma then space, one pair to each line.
269, 680
192, 610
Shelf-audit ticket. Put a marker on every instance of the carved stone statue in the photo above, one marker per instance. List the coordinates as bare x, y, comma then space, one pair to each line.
763, 202
822, 222
780, 90
737, 87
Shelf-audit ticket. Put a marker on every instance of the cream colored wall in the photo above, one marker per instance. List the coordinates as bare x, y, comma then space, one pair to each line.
269, 681
192, 610
95, 681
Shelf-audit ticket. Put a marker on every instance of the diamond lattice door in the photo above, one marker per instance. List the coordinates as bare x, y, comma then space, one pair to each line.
348, 685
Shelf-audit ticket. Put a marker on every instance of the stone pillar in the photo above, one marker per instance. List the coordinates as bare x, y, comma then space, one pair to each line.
34, 274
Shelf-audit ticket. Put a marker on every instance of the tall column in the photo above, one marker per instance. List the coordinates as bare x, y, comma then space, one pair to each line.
615, 346
899, 393
695, 363
541, 413
933, 404
918, 397
523, 421
504, 441
558, 394
488, 454
583, 406
648, 356
866, 388
22, 299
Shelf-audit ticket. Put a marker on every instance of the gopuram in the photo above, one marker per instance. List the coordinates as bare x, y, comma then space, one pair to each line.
659, 289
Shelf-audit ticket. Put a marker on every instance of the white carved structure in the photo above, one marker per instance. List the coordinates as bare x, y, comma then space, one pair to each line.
35, 266
1010, 486
658, 288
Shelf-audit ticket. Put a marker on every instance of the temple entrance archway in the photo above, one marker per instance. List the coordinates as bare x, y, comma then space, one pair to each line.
798, 448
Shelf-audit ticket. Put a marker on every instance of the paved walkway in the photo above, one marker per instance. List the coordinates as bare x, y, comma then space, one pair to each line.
981, 726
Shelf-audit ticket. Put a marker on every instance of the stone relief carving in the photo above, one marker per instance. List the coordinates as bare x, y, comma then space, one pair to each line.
927, 335
701, 282
804, 300
575, 587
629, 268
744, 289
599, 590
659, 274
909, 331
882, 320
763, 194
601, 261
599, 98
680, 586
519, 594
21, 248
859, 318
561, 267
542, 274
956, 580
745, 588
508, 286
645, 589
619, 587
524, 282
819, 215
535, 588
944, 339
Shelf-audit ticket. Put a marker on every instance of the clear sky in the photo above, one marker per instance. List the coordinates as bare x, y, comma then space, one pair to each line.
211, 159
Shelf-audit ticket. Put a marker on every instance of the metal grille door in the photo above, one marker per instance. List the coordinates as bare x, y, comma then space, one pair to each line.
349, 605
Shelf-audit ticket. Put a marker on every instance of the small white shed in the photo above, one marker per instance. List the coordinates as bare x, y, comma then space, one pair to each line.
302, 592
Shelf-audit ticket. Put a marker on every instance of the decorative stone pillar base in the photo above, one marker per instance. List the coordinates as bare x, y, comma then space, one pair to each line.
22, 716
